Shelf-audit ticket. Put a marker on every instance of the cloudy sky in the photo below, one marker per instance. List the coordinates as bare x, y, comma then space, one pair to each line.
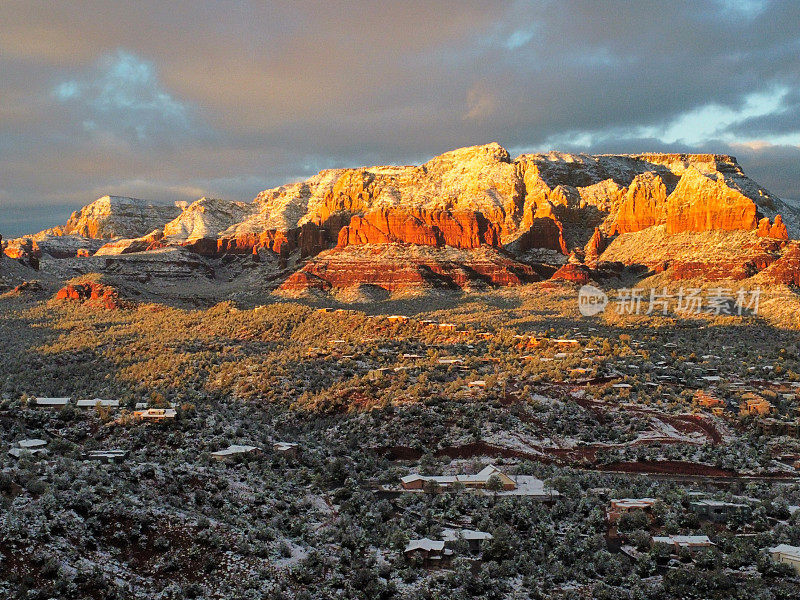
175, 100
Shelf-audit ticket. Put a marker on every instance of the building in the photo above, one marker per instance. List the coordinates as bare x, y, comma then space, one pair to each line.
232, 451
474, 539
375, 374
155, 414
478, 384
397, 318
477, 481
285, 448
447, 326
97, 402
622, 506
450, 361
679, 542
580, 372
52, 402
704, 399
105, 456
30, 446
719, 511
426, 550
753, 404
786, 554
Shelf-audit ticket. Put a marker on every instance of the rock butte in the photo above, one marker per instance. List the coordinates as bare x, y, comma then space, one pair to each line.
596, 208
91, 292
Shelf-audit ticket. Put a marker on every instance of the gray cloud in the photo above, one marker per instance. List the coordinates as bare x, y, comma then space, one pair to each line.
170, 101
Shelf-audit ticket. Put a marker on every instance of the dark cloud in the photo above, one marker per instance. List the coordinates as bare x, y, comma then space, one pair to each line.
171, 101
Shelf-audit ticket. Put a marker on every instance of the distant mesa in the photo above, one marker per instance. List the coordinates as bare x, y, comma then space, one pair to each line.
470, 217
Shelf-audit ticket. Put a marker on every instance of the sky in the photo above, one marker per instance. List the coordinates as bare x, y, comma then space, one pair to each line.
177, 100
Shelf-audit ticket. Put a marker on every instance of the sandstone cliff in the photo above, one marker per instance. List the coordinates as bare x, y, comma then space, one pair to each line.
467, 199
116, 216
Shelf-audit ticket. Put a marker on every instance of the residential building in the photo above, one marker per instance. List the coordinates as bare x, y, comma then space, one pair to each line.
719, 511
106, 456
97, 402
232, 451
477, 481
375, 374
29, 446
786, 554
155, 414
678, 542
622, 506
427, 550
753, 404
450, 361
474, 539
285, 448
704, 399
52, 402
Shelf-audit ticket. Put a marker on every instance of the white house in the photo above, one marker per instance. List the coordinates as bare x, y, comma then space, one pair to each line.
427, 549
30, 446
285, 448
677, 542
233, 450
97, 402
789, 555
478, 480
473, 538
450, 361
52, 402
106, 456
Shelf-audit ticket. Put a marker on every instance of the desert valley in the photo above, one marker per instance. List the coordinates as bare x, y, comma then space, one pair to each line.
550, 376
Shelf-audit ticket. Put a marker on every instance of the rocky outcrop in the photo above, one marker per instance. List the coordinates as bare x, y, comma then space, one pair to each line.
786, 269
543, 232
129, 246
645, 204
171, 264
117, 216
459, 229
702, 203
595, 247
777, 230
710, 255
53, 243
92, 293
574, 273
396, 268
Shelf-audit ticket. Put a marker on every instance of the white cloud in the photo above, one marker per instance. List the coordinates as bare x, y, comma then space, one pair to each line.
712, 120
121, 96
